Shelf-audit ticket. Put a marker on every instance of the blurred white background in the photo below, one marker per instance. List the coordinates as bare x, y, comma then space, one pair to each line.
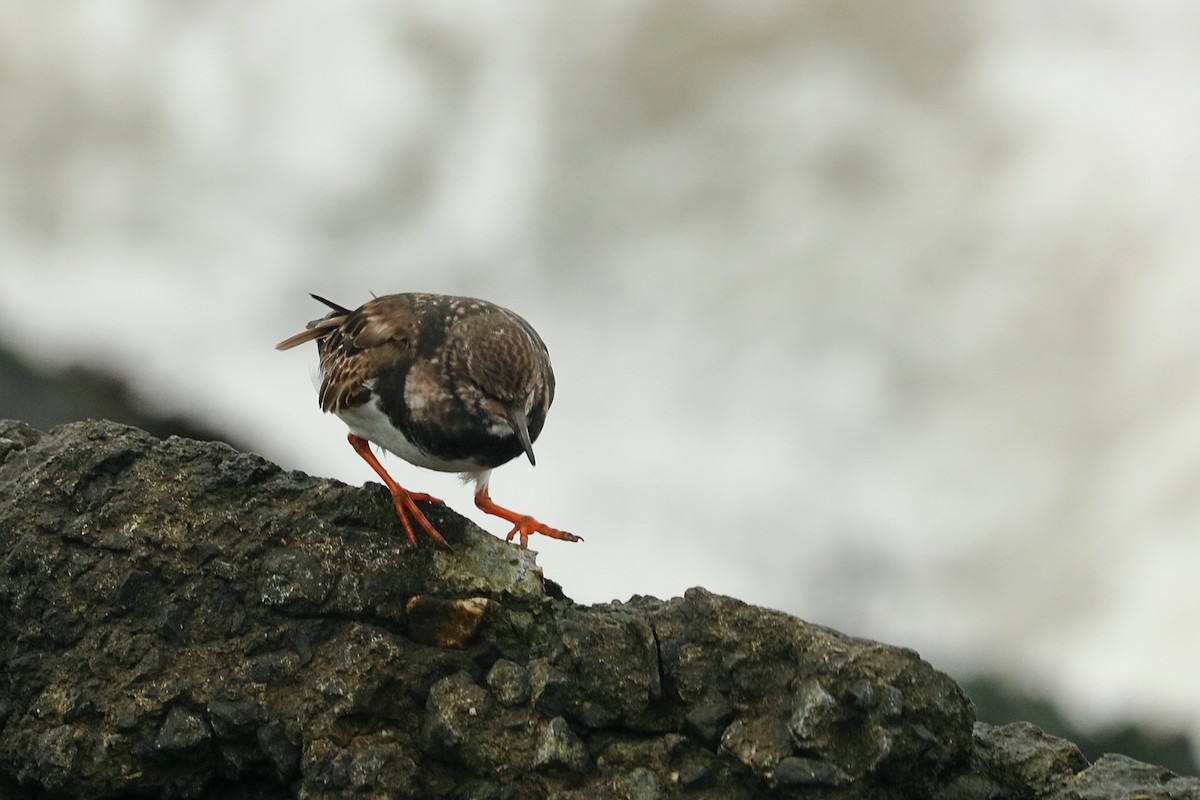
885, 316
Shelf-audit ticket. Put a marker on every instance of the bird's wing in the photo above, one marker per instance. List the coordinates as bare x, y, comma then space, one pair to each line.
376, 334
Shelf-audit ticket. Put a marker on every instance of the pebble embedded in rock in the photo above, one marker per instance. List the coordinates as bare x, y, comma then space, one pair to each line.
440, 622
708, 718
277, 746
509, 682
813, 712
181, 730
639, 784
560, 748
231, 719
794, 771
695, 775
758, 742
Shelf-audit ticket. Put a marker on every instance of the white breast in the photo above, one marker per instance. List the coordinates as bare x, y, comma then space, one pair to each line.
369, 422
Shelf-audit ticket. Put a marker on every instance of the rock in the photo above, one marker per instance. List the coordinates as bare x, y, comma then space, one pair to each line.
182, 730
708, 718
183, 620
559, 748
509, 682
1028, 756
998, 702
444, 623
1020, 760
639, 784
1120, 776
603, 668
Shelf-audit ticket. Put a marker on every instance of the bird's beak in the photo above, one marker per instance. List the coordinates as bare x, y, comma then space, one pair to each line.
519, 425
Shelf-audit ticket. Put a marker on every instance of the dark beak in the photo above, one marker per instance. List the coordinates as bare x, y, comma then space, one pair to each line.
517, 419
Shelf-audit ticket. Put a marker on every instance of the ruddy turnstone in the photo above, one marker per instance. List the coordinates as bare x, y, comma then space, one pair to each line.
447, 383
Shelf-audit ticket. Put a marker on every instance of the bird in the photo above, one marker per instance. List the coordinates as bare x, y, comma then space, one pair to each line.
447, 383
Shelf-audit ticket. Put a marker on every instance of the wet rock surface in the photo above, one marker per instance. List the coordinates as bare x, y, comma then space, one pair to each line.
184, 620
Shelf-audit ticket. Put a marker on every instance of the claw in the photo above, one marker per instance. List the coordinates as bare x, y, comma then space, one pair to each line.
523, 524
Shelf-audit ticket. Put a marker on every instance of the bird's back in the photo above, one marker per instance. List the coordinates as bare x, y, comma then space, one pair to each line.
455, 377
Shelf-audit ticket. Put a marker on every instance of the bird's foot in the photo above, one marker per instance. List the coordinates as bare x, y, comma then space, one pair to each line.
527, 526
406, 508
523, 524
404, 500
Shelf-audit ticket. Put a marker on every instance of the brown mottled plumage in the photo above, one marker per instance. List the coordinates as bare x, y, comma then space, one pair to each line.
452, 384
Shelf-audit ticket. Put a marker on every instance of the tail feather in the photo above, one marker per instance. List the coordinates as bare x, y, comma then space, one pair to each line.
314, 332
317, 329
339, 309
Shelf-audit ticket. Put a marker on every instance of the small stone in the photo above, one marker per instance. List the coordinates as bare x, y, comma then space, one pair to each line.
891, 704
696, 775
383, 767
230, 719
560, 748
274, 743
639, 784
444, 623
708, 719
326, 766
509, 682
455, 707
758, 742
182, 730
860, 695
793, 771
440, 732
813, 712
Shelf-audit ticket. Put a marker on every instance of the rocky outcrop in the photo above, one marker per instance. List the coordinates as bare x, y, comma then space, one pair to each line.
179, 619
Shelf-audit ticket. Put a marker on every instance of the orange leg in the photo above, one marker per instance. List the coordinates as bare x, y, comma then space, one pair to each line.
404, 500
522, 524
